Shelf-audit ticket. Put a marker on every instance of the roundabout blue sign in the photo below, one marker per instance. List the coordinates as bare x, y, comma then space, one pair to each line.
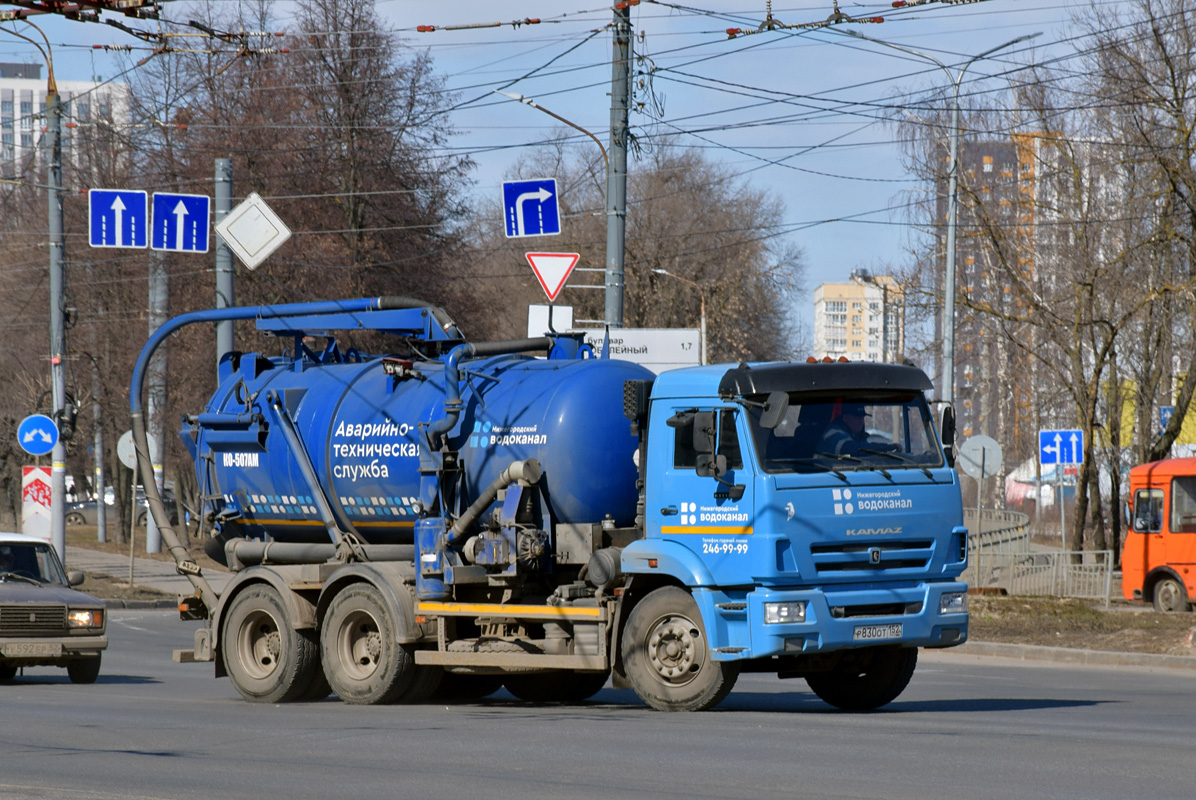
37, 434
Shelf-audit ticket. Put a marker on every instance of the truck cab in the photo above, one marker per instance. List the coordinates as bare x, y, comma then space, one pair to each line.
1158, 561
809, 509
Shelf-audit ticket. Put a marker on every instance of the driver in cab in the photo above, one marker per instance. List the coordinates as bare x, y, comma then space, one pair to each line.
847, 436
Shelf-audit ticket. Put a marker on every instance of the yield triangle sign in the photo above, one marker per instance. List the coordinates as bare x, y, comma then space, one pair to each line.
552, 270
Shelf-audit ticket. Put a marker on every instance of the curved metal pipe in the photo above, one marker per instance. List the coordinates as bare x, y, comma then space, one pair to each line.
528, 471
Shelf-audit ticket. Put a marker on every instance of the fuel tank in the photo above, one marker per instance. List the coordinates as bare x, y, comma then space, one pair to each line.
359, 423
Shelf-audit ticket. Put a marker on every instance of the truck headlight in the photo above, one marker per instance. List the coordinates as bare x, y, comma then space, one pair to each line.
85, 618
953, 603
793, 611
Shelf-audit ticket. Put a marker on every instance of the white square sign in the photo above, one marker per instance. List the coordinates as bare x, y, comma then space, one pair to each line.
253, 231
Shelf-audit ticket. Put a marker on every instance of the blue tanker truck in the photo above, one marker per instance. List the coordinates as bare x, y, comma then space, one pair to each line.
457, 517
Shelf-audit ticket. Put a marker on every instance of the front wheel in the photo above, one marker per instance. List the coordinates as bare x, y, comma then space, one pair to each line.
1169, 595
75, 518
667, 657
867, 678
85, 670
267, 660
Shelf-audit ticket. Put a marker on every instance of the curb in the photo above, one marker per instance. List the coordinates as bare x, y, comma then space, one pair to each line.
1064, 655
115, 602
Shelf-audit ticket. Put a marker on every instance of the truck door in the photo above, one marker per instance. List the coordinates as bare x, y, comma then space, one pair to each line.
1148, 521
703, 494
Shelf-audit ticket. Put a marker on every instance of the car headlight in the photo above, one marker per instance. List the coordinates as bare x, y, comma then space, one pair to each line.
953, 603
776, 613
85, 618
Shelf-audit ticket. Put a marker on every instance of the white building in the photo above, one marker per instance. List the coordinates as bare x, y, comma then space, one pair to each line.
22, 112
862, 320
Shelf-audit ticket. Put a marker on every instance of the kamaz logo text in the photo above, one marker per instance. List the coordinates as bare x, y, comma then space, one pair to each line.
872, 531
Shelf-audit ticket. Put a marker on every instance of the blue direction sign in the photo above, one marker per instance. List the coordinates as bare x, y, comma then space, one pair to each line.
1165, 413
37, 434
181, 222
530, 208
118, 218
1061, 447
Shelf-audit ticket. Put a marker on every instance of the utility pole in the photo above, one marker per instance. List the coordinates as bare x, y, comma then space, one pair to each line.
616, 169
224, 257
159, 292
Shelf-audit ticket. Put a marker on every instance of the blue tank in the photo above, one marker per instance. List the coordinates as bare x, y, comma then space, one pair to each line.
360, 424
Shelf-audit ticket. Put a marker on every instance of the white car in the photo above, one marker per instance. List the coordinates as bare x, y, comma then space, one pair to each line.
43, 621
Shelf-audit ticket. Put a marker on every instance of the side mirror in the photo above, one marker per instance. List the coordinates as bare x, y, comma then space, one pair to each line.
947, 431
711, 466
704, 432
774, 410
74, 577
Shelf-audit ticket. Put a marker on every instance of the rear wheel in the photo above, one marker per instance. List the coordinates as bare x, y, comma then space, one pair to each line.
362, 660
267, 660
867, 678
1169, 595
85, 670
667, 657
556, 687
7, 672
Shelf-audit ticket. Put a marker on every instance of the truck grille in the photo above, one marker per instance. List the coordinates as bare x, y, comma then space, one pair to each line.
32, 620
871, 557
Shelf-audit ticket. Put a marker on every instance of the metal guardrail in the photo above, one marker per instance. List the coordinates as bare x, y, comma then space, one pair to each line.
1000, 557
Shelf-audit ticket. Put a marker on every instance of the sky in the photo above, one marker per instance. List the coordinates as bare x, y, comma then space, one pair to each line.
795, 112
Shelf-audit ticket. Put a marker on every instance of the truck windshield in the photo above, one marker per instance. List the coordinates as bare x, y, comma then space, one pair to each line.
848, 431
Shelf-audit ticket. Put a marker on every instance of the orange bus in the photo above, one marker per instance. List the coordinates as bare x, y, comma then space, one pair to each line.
1158, 562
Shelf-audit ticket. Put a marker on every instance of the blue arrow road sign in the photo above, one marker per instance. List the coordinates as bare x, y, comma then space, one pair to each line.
37, 434
181, 222
530, 208
1061, 447
1165, 413
117, 218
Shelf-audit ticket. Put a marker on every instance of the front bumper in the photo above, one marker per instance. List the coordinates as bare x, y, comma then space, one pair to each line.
50, 650
834, 620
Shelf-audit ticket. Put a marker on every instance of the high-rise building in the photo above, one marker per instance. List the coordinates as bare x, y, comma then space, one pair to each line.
22, 111
862, 320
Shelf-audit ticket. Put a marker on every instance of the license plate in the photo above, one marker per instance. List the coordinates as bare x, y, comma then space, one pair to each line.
867, 633
32, 649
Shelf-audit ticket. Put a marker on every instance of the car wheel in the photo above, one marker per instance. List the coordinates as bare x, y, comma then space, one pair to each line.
75, 518
85, 670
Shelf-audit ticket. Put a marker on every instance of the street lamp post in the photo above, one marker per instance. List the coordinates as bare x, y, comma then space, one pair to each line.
956, 78
57, 313
702, 312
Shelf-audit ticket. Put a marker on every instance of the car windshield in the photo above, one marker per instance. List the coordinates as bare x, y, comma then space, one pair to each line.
870, 431
33, 561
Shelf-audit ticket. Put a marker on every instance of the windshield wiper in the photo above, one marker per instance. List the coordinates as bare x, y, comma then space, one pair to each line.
6, 575
898, 457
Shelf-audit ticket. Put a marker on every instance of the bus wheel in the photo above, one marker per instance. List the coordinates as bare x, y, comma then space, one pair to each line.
1169, 595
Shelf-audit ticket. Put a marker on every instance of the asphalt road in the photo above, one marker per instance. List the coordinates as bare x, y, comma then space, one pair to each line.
966, 727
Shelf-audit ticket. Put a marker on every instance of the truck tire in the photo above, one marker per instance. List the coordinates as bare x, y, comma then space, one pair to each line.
1169, 595
565, 686
85, 670
267, 660
8, 672
667, 658
363, 662
867, 678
